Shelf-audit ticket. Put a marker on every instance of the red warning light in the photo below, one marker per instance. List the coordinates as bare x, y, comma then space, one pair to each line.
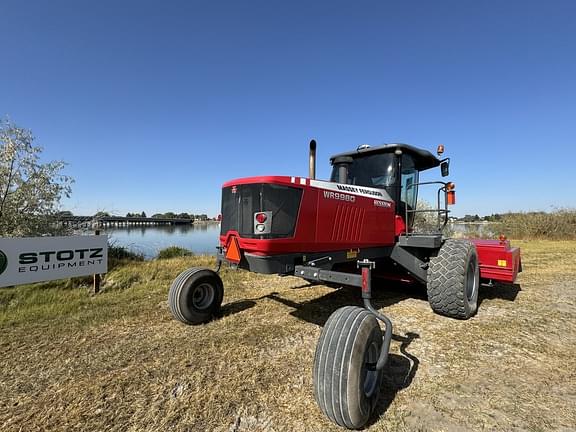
261, 218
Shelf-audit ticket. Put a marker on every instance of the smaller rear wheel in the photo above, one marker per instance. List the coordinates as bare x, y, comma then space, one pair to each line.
346, 383
196, 295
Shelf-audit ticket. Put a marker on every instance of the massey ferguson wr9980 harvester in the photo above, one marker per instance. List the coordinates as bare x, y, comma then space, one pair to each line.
340, 232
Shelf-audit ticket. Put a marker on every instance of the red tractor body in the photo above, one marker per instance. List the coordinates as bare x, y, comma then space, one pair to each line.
330, 217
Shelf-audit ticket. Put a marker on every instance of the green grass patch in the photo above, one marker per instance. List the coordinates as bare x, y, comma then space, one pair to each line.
174, 252
130, 288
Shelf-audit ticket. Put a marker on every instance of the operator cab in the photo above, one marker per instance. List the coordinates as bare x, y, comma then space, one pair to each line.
392, 167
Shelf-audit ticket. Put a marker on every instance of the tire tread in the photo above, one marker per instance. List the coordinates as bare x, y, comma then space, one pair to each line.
332, 364
175, 295
447, 279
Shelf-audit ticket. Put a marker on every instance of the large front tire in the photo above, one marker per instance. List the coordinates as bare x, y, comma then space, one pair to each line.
345, 387
196, 295
454, 279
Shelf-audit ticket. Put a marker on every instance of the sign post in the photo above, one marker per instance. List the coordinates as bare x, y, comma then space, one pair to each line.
37, 259
97, 277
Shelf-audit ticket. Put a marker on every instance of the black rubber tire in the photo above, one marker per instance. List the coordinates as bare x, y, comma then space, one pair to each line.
345, 390
454, 279
196, 295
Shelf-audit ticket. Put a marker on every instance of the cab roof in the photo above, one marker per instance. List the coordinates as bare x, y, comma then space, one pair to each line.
423, 159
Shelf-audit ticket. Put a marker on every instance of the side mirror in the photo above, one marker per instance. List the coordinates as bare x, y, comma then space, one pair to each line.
444, 168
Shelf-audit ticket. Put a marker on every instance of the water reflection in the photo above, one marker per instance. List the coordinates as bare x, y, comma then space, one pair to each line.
148, 240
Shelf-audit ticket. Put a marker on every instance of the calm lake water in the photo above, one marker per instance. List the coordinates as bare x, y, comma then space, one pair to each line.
200, 239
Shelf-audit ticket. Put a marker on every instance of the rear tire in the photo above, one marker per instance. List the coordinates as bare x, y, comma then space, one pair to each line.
196, 295
454, 279
345, 389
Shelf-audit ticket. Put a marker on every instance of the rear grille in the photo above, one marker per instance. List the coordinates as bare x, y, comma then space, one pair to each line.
239, 203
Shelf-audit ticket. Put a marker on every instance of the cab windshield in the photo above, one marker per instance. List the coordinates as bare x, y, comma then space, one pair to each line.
376, 170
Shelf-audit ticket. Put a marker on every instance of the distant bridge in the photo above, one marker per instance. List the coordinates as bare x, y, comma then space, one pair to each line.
106, 221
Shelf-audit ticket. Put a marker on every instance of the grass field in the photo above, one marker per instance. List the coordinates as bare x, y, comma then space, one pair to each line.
118, 361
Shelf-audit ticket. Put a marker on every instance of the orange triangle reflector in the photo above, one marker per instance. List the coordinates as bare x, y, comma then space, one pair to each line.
233, 251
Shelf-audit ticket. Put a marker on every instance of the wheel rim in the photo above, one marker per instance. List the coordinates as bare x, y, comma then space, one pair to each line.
203, 296
369, 376
471, 279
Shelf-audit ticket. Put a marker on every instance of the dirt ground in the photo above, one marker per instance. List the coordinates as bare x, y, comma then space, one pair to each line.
119, 362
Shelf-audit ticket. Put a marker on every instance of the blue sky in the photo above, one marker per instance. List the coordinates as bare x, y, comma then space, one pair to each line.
155, 104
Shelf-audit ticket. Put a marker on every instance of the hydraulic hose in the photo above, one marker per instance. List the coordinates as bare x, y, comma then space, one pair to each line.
383, 358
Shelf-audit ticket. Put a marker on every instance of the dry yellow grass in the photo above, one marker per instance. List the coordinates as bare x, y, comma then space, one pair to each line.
118, 361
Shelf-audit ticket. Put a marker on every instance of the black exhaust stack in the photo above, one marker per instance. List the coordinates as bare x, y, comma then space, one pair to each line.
312, 161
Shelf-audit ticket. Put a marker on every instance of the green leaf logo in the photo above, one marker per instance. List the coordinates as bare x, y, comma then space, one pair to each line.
3, 262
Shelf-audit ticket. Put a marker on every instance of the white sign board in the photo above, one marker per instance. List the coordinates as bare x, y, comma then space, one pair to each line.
37, 259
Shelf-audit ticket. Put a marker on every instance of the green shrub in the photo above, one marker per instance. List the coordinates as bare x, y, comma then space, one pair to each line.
557, 225
173, 252
426, 222
120, 254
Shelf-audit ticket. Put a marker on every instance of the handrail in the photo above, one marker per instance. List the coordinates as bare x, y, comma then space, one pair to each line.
438, 210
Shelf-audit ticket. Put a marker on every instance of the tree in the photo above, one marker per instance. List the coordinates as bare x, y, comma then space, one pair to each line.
30, 191
64, 213
143, 214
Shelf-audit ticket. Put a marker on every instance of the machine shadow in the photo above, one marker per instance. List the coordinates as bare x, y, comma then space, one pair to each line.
397, 375
507, 292
318, 310
235, 307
